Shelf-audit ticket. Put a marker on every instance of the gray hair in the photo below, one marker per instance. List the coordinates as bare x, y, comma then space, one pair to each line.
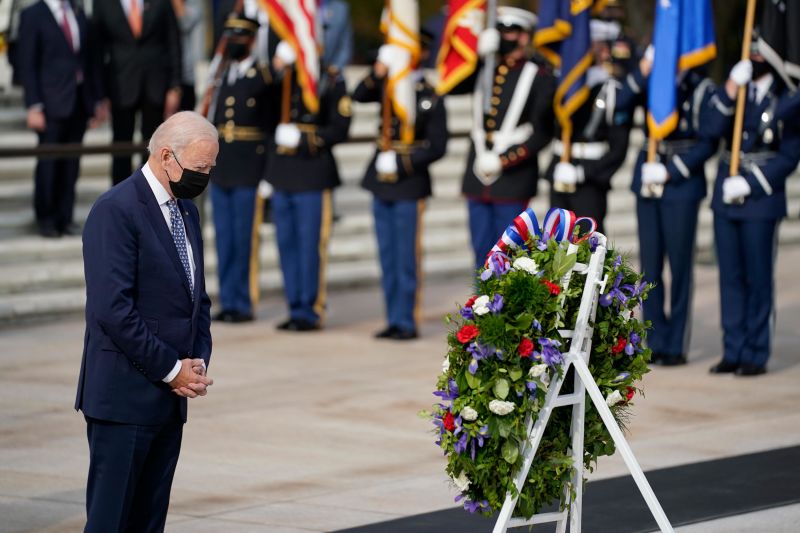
180, 130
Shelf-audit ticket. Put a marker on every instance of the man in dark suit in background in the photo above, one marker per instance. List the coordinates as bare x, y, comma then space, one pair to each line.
139, 43
148, 339
62, 91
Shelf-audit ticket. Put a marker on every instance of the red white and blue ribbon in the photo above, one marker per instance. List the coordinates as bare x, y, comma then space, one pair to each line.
559, 224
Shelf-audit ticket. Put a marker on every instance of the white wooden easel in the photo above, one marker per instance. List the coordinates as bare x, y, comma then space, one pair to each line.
577, 357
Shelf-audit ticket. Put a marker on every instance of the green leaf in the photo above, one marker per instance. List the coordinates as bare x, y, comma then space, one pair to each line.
515, 374
510, 452
473, 381
503, 428
501, 389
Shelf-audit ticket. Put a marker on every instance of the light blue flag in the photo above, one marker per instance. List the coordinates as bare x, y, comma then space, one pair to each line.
683, 39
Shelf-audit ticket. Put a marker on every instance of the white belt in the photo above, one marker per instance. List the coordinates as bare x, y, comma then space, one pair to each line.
590, 151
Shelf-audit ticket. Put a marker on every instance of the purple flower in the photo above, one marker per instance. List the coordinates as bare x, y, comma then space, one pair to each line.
473, 507
496, 305
478, 352
466, 313
594, 240
550, 354
615, 293
621, 377
633, 344
497, 265
617, 262
451, 393
542, 244
531, 385
536, 325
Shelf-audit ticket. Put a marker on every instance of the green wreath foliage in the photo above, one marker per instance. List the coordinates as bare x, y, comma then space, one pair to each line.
504, 348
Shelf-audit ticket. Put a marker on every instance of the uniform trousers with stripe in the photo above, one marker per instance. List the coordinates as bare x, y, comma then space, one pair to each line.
746, 252
398, 228
131, 468
667, 231
233, 223
487, 222
302, 229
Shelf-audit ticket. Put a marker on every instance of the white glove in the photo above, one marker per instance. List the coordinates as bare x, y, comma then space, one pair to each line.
742, 72
488, 165
390, 55
654, 174
287, 135
734, 188
650, 53
488, 42
568, 174
285, 53
386, 162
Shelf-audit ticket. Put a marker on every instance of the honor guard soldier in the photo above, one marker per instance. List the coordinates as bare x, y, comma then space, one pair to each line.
399, 180
302, 170
747, 209
240, 110
599, 140
508, 132
668, 195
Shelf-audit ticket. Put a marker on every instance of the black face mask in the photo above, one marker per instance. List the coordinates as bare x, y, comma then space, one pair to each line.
507, 46
191, 184
237, 51
760, 68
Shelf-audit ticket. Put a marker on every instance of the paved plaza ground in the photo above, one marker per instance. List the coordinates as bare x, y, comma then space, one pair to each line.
319, 432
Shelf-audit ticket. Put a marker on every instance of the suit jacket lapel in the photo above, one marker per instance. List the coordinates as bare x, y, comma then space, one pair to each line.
156, 218
57, 24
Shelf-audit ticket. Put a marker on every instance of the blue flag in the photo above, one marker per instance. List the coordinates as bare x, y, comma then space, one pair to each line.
563, 38
683, 39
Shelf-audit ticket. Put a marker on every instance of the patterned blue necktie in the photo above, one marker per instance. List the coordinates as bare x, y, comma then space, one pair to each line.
179, 236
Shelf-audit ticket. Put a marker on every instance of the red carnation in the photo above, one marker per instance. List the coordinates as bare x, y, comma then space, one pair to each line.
621, 343
525, 347
471, 301
467, 333
449, 421
554, 288
630, 391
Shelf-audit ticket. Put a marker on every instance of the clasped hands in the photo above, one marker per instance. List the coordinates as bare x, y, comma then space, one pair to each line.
191, 381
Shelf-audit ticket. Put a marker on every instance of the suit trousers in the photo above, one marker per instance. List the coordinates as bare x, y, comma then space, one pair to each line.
123, 121
398, 228
130, 475
55, 179
302, 229
234, 209
667, 230
487, 222
746, 251
587, 201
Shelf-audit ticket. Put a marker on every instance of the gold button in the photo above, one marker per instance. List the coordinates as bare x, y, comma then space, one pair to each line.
499, 79
521, 150
512, 156
493, 112
230, 124
251, 102
503, 160
491, 123
229, 113
230, 101
502, 69
497, 90
495, 100
260, 149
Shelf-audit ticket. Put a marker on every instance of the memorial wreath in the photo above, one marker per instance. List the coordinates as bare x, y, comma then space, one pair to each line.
506, 344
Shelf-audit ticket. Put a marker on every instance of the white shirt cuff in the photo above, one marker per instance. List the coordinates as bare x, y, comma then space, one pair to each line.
174, 372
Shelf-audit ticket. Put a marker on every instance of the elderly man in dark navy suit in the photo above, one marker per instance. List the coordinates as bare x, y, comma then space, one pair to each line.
62, 92
148, 339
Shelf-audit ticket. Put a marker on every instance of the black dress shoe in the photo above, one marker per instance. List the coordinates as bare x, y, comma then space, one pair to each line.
301, 325
386, 333
49, 232
237, 317
656, 357
672, 360
404, 334
71, 229
724, 367
286, 325
751, 370
222, 316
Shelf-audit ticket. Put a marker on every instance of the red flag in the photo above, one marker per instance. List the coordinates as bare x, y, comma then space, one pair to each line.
295, 22
458, 56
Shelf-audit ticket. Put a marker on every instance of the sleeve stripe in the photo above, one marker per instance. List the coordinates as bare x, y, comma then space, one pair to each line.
633, 85
722, 108
681, 166
762, 179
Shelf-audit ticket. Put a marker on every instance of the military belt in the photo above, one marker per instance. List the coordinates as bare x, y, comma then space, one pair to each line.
231, 133
750, 158
402, 148
588, 151
671, 148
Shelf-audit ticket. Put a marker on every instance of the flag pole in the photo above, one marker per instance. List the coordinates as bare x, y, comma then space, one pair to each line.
219, 52
386, 108
286, 94
738, 122
489, 62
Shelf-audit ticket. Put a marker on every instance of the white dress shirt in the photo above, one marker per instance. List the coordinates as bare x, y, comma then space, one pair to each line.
126, 6
58, 7
162, 197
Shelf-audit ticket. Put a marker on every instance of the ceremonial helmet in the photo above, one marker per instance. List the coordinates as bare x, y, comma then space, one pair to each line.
514, 18
238, 25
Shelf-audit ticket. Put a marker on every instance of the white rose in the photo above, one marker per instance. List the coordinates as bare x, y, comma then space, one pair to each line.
500, 407
481, 305
445, 365
469, 414
527, 264
461, 482
626, 314
614, 398
540, 371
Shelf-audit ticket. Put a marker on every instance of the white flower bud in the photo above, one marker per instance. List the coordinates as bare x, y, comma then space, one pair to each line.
614, 398
526, 264
469, 414
500, 407
461, 482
